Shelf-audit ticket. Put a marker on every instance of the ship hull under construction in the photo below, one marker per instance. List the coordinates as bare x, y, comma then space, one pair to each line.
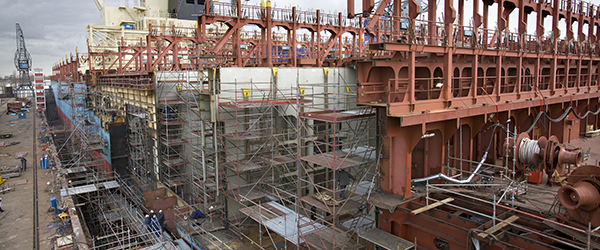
371, 131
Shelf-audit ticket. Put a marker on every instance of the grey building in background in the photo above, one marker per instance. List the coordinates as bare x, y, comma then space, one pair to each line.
186, 9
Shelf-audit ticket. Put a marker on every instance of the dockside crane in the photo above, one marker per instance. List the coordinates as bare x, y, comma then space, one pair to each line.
22, 62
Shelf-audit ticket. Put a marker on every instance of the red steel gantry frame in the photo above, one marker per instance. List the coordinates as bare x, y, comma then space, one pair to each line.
237, 35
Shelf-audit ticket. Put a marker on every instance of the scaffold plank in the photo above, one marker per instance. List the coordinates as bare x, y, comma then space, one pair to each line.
89, 188
174, 101
242, 166
173, 182
173, 122
384, 200
347, 206
282, 221
278, 160
173, 142
386, 240
245, 193
73, 170
331, 160
431, 206
173, 162
207, 133
245, 135
262, 103
337, 116
498, 227
327, 238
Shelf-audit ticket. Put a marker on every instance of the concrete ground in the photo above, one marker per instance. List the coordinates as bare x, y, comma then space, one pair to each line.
586, 144
16, 222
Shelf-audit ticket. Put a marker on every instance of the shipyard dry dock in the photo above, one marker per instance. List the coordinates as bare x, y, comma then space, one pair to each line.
405, 125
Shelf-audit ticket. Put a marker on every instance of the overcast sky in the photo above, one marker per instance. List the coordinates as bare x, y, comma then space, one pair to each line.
54, 28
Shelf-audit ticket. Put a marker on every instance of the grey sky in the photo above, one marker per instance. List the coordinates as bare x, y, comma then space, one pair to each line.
52, 29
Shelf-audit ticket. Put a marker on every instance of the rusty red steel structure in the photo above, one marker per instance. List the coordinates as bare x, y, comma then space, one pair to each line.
448, 85
68, 69
252, 37
439, 86
581, 197
451, 79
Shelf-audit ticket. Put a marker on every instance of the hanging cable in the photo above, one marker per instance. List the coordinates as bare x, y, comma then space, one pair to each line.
564, 114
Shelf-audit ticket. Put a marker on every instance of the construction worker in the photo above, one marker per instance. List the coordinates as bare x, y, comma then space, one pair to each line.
197, 215
148, 222
168, 112
24, 163
161, 220
343, 178
155, 227
1, 211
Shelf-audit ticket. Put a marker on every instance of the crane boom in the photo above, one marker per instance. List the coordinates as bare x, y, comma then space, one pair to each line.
22, 61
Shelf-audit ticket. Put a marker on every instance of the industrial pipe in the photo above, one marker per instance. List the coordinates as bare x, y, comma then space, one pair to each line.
581, 195
447, 178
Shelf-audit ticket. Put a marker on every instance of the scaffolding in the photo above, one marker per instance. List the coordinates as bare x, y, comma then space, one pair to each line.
85, 141
338, 163
112, 209
114, 218
258, 137
250, 154
264, 156
140, 147
177, 119
40, 94
203, 145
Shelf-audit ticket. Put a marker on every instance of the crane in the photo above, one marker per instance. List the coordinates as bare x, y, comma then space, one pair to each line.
22, 62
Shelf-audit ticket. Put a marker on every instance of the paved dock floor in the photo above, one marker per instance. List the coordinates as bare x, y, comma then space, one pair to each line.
16, 222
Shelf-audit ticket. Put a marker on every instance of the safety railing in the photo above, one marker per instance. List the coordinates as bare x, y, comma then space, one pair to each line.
464, 37
307, 17
172, 31
428, 88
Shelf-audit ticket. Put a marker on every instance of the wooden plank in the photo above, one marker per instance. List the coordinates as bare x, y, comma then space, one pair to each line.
434, 205
386, 240
501, 225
